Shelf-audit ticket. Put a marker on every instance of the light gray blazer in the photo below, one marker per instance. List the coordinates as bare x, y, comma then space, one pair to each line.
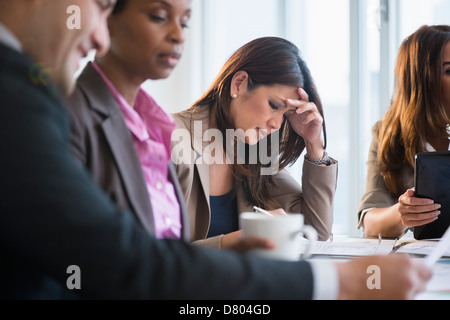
314, 200
102, 141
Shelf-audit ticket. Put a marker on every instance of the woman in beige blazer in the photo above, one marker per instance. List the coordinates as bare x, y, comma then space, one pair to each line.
266, 97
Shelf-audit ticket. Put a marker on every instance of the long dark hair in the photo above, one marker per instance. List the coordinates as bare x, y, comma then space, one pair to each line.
120, 5
268, 61
416, 111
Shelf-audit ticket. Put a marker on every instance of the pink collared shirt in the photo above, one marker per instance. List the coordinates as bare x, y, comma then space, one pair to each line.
152, 128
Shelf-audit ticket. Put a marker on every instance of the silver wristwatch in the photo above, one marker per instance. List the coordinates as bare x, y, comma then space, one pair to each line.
325, 160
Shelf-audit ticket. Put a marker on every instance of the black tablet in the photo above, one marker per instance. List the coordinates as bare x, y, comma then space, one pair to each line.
432, 181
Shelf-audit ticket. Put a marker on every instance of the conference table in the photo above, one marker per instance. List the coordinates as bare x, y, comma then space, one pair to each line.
342, 248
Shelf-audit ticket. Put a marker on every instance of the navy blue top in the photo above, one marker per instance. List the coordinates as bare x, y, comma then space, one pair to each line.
224, 216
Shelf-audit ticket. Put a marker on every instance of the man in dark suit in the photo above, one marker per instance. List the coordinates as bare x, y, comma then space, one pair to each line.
53, 217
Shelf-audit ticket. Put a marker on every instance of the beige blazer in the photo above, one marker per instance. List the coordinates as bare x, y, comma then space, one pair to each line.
376, 194
315, 201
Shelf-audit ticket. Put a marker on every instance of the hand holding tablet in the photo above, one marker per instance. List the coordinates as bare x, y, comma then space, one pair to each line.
432, 181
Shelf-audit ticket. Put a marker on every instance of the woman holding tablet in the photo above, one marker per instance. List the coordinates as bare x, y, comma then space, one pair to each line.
417, 121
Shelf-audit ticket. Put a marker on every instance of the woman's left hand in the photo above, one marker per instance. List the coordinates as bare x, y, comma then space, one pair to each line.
307, 122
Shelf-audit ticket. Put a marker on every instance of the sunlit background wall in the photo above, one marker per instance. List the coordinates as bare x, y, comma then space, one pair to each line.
350, 47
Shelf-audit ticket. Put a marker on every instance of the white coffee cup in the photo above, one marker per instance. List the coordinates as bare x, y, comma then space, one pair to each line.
285, 231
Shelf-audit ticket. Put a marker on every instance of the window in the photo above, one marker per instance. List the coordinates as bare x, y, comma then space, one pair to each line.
414, 13
323, 35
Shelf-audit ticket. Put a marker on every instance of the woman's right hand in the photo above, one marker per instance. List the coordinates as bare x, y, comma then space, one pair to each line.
415, 211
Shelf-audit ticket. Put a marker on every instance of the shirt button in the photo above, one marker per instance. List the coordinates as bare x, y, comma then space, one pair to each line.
168, 221
159, 186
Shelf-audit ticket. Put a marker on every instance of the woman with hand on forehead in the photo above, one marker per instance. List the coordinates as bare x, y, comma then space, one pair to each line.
266, 91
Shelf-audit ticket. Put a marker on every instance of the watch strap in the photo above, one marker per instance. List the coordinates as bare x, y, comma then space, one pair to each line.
325, 160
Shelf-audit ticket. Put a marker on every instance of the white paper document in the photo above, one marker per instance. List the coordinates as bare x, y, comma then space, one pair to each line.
420, 248
352, 247
359, 247
438, 288
440, 250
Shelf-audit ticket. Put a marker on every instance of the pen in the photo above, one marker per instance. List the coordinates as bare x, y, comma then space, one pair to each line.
262, 211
